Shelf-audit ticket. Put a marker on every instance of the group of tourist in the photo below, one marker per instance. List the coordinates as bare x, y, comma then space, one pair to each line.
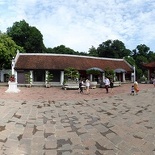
108, 83
85, 84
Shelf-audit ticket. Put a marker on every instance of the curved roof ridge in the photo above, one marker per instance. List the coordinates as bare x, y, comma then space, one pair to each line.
69, 55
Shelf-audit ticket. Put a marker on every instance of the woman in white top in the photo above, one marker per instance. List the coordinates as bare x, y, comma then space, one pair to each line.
107, 83
87, 83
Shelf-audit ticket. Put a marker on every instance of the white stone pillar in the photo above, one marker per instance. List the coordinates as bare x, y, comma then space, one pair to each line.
13, 66
61, 77
12, 88
91, 77
2, 76
46, 72
15, 73
31, 76
134, 72
103, 77
114, 76
123, 76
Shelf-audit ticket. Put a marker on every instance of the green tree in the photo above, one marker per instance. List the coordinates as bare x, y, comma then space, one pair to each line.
93, 52
130, 60
113, 49
71, 73
30, 38
141, 56
63, 50
49, 50
8, 50
49, 77
151, 56
109, 73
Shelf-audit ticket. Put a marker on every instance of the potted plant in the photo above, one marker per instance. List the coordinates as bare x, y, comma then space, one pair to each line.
28, 80
71, 78
49, 78
143, 79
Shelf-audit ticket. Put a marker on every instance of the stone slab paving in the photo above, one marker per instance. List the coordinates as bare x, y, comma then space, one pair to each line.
117, 124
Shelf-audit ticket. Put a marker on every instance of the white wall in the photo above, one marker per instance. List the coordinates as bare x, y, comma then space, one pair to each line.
2, 73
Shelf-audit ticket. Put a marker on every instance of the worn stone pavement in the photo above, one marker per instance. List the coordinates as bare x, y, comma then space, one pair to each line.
52, 121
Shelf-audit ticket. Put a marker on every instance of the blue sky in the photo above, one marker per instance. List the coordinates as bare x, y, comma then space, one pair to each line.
80, 24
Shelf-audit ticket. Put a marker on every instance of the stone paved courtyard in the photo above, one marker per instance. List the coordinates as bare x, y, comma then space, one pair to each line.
41, 121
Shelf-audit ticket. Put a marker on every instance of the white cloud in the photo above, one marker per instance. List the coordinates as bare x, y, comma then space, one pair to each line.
79, 24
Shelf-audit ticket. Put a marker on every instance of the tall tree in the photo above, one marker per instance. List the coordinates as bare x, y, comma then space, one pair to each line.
140, 55
113, 49
8, 50
30, 38
93, 52
63, 50
151, 56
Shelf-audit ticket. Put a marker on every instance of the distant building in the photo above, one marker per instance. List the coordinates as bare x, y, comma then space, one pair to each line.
151, 70
39, 63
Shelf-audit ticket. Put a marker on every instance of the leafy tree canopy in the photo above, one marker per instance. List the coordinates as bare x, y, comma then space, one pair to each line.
64, 50
142, 50
71, 73
151, 56
142, 54
113, 49
109, 73
130, 60
8, 50
93, 52
30, 38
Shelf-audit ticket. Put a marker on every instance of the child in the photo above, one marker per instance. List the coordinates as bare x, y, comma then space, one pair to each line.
132, 90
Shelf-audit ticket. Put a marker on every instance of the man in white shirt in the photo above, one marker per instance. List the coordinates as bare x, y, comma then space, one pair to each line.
107, 83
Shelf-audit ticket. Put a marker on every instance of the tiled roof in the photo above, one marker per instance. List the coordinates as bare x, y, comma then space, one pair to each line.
61, 61
149, 65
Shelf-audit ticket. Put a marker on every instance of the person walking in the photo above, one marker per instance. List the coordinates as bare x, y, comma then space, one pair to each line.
87, 83
107, 83
81, 86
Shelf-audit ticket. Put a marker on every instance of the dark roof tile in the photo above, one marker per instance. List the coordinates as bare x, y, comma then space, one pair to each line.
149, 65
60, 62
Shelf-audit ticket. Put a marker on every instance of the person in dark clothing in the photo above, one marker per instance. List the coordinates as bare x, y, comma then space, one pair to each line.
107, 83
132, 90
81, 86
